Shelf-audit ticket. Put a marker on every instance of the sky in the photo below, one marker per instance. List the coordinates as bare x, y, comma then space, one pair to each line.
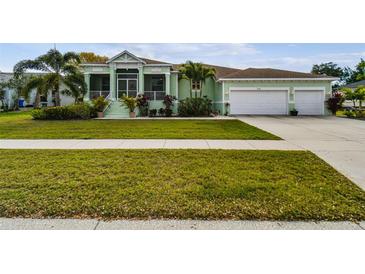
297, 57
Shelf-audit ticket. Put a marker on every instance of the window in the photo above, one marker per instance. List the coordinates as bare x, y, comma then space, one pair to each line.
195, 85
157, 83
105, 86
127, 76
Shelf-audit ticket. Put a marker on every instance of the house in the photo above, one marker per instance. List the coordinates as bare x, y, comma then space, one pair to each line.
355, 84
256, 91
9, 94
233, 91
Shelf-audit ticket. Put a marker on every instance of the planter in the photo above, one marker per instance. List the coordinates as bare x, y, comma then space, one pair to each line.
100, 114
294, 113
132, 114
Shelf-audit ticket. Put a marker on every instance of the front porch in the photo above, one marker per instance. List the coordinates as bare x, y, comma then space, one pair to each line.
129, 83
154, 86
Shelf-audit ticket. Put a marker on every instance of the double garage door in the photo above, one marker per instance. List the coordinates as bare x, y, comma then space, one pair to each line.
274, 102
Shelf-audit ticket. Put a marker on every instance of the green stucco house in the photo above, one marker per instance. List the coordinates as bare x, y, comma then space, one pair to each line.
256, 91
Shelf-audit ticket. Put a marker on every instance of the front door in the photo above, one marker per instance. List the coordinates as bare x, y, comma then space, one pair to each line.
127, 85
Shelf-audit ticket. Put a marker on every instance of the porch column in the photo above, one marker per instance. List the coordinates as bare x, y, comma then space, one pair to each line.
87, 81
140, 80
167, 80
113, 80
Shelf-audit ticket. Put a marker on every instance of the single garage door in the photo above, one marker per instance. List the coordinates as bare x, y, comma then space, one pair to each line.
309, 102
260, 102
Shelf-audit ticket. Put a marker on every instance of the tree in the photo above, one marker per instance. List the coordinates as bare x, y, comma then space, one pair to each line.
360, 95
4, 105
360, 70
77, 87
196, 72
206, 73
56, 66
90, 57
329, 69
354, 95
40, 84
15, 83
349, 95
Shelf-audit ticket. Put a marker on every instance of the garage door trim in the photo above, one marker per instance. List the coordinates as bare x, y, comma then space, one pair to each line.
323, 89
287, 89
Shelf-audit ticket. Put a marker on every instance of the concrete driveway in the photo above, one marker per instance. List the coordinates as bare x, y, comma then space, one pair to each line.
338, 141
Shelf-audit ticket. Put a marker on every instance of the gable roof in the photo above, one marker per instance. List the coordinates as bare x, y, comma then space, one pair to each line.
355, 84
127, 53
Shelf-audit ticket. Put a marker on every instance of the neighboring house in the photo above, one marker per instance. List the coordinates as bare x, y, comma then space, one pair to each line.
10, 94
234, 91
355, 84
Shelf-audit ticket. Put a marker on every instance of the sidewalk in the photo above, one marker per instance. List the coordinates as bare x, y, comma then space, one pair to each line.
146, 144
92, 224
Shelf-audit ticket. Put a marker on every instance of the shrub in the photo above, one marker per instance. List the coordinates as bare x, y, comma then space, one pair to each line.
153, 112
76, 111
161, 111
38, 114
359, 113
195, 107
335, 102
142, 104
100, 103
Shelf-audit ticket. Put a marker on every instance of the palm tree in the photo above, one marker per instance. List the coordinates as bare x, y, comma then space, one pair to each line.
196, 72
206, 73
57, 67
77, 87
40, 84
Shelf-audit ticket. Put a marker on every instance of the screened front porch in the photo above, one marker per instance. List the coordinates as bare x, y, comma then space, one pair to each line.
99, 85
155, 86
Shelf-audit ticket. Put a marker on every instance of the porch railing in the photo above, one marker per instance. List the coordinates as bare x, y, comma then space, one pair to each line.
155, 95
97, 93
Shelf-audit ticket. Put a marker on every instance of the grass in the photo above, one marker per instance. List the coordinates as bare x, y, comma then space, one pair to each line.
21, 126
185, 184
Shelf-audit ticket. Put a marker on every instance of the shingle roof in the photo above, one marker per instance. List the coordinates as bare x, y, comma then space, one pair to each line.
355, 84
257, 73
152, 62
219, 70
271, 73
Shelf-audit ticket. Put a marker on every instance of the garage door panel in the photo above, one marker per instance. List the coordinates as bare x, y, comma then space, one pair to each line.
264, 102
309, 102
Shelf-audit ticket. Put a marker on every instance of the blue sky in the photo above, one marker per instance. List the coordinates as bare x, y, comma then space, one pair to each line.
299, 57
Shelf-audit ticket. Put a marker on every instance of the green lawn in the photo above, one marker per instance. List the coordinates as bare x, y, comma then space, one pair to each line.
21, 126
205, 184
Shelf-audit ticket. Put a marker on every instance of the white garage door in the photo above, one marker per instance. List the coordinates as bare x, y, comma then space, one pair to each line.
261, 102
309, 102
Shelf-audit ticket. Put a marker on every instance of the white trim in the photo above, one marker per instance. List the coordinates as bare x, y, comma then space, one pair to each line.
177, 88
125, 52
279, 79
127, 79
93, 65
311, 89
287, 89
158, 65
223, 92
